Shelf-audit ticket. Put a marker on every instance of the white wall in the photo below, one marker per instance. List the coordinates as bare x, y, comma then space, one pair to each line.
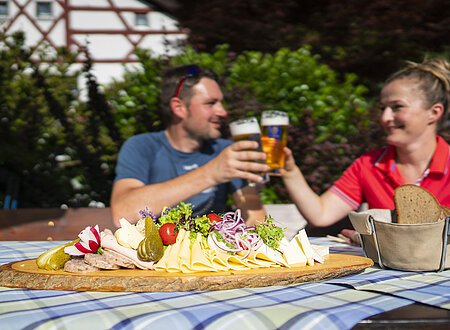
109, 47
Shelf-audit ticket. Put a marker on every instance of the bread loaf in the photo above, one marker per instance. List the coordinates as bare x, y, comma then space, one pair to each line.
446, 211
415, 204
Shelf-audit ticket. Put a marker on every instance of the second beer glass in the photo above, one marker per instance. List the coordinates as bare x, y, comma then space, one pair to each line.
274, 126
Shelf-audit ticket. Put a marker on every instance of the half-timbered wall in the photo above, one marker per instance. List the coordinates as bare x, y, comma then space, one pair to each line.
111, 29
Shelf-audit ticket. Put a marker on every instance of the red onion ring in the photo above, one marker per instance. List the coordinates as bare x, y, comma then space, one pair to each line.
234, 232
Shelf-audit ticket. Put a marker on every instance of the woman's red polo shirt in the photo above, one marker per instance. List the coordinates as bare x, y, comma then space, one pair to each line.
373, 177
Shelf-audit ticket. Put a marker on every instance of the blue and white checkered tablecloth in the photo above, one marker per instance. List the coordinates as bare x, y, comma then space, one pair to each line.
333, 304
431, 288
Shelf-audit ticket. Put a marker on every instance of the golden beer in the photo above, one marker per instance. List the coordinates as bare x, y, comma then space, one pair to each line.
274, 126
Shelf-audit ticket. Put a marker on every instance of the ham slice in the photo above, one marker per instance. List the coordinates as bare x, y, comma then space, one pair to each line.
108, 241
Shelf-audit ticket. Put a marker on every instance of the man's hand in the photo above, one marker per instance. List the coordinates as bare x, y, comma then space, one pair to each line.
239, 160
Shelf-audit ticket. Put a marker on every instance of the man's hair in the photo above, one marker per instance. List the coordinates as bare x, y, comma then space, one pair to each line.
178, 82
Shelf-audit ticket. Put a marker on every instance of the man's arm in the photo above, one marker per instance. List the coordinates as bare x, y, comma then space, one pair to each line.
248, 201
129, 196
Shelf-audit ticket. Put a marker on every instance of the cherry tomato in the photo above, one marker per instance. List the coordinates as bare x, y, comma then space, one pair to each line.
213, 218
168, 233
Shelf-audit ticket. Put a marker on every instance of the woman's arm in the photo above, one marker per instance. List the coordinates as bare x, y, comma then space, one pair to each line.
321, 211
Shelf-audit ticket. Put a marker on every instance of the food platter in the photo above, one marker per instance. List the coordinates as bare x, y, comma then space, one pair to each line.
206, 253
25, 274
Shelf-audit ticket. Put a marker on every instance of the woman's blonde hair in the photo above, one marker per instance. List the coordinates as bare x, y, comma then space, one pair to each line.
433, 77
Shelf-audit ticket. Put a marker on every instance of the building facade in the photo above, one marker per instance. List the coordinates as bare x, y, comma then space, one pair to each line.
111, 30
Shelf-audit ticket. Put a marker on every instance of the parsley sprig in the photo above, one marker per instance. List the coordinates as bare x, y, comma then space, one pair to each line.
270, 233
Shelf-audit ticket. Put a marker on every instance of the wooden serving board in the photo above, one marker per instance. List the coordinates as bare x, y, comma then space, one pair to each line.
25, 274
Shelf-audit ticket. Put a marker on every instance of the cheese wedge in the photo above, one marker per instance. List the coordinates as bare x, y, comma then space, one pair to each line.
321, 250
304, 243
128, 235
292, 252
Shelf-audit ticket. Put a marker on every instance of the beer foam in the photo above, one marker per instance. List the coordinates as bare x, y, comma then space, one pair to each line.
275, 121
249, 127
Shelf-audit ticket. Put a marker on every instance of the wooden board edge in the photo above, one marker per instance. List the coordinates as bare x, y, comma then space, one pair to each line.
10, 277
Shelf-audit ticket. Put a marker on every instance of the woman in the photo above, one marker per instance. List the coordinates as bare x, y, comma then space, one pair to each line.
413, 103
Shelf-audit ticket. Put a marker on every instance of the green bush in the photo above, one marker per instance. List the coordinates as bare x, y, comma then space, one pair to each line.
31, 135
296, 82
56, 149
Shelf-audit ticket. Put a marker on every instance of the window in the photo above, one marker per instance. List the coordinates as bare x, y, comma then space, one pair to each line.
140, 19
4, 10
44, 9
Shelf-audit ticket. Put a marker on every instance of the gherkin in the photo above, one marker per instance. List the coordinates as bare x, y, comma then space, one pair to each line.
55, 258
151, 247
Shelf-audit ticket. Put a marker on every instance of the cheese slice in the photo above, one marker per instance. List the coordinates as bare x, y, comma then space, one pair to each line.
173, 260
217, 263
292, 252
321, 250
251, 261
232, 261
268, 256
162, 263
199, 258
303, 241
184, 257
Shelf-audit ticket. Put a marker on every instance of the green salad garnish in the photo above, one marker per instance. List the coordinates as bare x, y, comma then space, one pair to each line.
181, 215
176, 214
270, 233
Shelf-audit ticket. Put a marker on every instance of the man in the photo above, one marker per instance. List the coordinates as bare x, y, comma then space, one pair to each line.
188, 161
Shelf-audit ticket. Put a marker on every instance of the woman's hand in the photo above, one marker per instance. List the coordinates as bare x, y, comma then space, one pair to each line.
290, 167
350, 236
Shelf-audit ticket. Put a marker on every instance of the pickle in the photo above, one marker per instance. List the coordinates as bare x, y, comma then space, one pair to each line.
55, 258
151, 248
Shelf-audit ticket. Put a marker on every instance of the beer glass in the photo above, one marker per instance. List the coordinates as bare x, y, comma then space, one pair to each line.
274, 125
247, 129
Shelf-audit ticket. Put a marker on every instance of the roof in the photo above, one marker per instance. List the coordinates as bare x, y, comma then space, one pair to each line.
169, 6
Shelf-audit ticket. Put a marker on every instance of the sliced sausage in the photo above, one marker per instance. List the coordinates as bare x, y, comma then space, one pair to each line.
78, 266
99, 261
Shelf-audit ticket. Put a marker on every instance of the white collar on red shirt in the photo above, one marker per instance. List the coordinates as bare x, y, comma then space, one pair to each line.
439, 163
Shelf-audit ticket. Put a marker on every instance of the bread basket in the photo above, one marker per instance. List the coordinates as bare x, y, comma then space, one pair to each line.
410, 247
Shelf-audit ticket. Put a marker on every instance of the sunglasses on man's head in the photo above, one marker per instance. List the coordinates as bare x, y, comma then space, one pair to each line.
191, 71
